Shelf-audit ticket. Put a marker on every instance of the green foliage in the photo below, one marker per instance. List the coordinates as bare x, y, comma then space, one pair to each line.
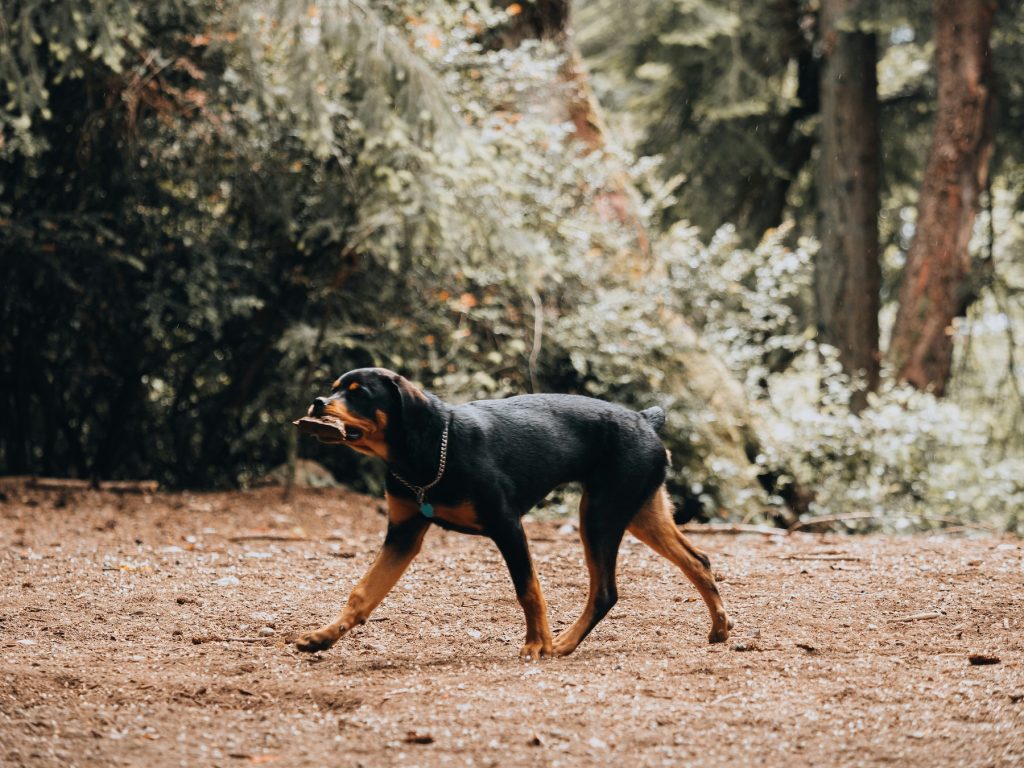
43, 45
724, 95
254, 198
908, 461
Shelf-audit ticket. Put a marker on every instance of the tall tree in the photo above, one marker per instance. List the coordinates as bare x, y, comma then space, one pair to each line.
937, 283
847, 276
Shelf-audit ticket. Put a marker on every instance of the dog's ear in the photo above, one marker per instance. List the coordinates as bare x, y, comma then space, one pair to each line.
413, 404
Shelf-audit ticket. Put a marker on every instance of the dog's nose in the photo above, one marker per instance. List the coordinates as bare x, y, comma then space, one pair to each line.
318, 406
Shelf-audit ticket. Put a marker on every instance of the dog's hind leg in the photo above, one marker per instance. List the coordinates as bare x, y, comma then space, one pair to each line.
654, 526
602, 534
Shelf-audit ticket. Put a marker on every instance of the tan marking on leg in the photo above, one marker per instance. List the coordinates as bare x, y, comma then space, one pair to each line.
655, 527
382, 575
538, 633
400, 510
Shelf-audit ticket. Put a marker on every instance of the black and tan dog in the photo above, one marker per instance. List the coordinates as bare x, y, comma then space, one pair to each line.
478, 468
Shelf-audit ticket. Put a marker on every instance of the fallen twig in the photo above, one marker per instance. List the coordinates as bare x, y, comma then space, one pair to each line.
819, 557
726, 697
979, 659
130, 486
733, 528
415, 737
958, 523
282, 537
823, 519
75, 484
268, 537
200, 639
922, 616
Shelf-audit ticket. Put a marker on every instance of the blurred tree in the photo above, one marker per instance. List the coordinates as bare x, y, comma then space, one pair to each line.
701, 84
847, 272
939, 280
570, 99
725, 93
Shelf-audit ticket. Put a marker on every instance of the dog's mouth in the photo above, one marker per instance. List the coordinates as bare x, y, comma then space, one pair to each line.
351, 433
329, 429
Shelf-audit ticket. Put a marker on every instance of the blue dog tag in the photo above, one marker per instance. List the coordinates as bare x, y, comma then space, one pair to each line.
427, 509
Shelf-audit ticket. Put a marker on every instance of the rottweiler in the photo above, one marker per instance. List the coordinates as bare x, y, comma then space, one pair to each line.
478, 468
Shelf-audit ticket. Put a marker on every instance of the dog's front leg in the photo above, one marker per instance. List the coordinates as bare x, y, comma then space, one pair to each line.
401, 544
512, 544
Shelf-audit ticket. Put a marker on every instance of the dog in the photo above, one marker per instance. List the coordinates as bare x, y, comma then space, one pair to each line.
478, 468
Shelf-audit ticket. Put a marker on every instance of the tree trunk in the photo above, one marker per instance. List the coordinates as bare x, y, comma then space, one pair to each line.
725, 431
936, 284
847, 276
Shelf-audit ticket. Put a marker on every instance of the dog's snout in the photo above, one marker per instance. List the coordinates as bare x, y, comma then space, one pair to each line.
318, 406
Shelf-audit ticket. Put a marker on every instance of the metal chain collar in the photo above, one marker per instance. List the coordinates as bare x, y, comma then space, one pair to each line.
421, 490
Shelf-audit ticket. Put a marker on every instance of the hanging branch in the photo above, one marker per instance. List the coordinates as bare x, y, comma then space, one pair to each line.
538, 335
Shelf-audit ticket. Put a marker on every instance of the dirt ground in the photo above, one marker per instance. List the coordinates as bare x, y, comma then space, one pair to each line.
150, 630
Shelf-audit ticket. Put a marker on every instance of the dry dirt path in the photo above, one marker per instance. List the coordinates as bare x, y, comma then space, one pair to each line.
108, 607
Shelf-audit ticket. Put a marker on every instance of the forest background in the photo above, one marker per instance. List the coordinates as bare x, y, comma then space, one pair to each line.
795, 224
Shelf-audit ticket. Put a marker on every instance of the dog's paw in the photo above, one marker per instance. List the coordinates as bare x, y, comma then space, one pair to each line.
567, 641
563, 646
720, 632
534, 650
320, 640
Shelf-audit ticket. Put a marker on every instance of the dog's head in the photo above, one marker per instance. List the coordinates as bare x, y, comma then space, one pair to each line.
366, 401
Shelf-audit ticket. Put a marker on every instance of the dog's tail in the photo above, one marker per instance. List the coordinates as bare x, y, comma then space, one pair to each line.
655, 417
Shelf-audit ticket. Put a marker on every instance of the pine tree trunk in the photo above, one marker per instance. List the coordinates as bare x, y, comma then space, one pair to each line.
937, 280
847, 276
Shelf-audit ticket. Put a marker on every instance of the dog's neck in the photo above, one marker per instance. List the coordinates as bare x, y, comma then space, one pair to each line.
414, 447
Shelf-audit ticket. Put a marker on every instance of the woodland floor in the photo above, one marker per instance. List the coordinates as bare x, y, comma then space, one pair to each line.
110, 606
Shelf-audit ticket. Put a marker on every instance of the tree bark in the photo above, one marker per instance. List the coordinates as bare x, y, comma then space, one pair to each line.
937, 280
847, 276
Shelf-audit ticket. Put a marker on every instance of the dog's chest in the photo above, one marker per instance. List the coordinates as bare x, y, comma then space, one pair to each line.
460, 516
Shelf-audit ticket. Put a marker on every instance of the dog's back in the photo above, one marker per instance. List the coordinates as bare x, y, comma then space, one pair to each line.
537, 442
